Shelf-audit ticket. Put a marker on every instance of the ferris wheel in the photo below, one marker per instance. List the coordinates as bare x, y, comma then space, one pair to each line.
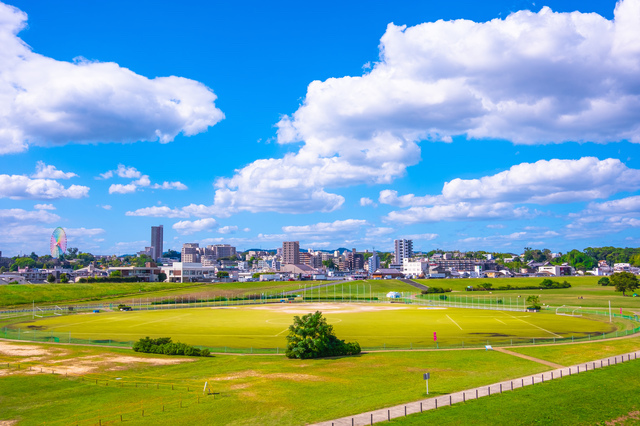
58, 244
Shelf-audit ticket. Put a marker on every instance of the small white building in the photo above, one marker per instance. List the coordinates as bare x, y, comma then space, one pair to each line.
189, 272
415, 268
394, 295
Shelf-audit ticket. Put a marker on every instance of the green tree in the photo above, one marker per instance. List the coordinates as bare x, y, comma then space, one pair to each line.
604, 281
162, 277
311, 337
328, 263
115, 274
624, 281
172, 254
534, 302
22, 262
51, 278
222, 274
72, 252
141, 260
64, 278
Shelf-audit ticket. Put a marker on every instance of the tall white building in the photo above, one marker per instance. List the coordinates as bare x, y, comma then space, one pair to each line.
403, 250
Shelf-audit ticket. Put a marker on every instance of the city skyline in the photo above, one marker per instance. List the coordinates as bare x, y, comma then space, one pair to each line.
311, 124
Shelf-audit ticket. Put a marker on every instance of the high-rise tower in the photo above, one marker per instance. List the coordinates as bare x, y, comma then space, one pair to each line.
157, 235
403, 249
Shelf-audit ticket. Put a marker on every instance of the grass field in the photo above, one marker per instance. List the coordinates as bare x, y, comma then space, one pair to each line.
277, 390
372, 325
586, 399
293, 392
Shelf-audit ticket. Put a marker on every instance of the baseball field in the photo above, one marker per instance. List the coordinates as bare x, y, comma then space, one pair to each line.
372, 325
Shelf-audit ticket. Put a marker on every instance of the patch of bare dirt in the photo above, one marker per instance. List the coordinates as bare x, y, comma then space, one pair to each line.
8, 422
634, 415
327, 308
240, 386
22, 350
286, 376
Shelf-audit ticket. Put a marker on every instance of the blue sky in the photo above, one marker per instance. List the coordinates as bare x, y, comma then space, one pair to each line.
336, 124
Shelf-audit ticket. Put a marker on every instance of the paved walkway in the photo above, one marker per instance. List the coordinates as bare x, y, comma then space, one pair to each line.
386, 414
413, 283
530, 358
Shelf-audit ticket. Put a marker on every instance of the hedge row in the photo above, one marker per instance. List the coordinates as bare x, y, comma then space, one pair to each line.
164, 345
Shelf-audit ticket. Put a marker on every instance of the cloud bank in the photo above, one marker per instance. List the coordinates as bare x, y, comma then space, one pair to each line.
543, 182
48, 102
531, 78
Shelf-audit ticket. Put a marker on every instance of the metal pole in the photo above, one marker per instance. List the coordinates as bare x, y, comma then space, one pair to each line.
609, 310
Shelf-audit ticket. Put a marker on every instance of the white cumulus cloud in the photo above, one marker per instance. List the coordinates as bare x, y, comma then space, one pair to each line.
22, 187
19, 215
366, 201
44, 207
541, 77
197, 210
187, 227
543, 182
170, 185
228, 229
48, 102
325, 228
44, 171
458, 211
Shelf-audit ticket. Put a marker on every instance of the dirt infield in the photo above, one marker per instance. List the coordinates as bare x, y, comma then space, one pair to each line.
326, 308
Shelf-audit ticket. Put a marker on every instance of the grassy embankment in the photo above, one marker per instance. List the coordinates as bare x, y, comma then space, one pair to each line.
278, 390
12, 296
24, 294
584, 291
608, 394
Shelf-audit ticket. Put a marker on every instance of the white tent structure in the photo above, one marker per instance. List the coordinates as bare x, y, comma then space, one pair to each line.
394, 295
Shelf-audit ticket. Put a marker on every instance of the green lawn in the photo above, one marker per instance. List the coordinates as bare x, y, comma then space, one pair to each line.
586, 399
277, 390
372, 325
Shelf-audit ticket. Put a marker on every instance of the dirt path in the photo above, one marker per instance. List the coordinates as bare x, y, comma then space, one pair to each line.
530, 358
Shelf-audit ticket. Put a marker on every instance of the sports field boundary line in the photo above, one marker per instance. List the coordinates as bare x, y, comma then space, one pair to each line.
451, 319
414, 407
533, 325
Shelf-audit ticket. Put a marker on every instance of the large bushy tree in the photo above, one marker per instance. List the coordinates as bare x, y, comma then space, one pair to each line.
624, 281
311, 337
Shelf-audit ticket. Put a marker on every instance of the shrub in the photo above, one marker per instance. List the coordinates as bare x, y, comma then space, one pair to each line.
432, 290
604, 281
164, 345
